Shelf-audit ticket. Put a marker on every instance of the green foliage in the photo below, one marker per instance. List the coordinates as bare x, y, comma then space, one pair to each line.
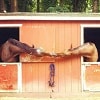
48, 3
64, 8
26, 5
52, 5
89, 6
55, 6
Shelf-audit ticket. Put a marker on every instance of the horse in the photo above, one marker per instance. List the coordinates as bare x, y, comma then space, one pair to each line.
12, 48
87, 50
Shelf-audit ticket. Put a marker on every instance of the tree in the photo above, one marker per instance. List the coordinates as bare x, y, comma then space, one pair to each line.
38, 5
2, 6
8, 5
14, 6
49, 5
95, 6
26, 5
79, 5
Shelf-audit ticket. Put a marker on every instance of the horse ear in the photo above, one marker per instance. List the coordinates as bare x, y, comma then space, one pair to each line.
32, 45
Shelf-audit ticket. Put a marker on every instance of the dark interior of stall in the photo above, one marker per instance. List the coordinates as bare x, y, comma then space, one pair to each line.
93, 35
9, 32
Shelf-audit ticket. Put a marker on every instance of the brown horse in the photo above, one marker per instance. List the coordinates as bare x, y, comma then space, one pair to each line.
87, 50
12, 48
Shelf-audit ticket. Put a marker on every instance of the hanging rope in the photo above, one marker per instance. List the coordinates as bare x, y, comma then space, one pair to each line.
52, 75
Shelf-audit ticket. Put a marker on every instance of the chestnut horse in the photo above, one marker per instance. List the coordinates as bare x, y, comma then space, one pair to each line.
12, 48
87, 50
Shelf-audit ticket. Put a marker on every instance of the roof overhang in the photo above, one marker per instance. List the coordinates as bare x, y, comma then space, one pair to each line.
50, 16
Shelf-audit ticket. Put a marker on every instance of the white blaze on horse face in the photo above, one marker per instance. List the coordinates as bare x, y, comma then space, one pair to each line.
38, 51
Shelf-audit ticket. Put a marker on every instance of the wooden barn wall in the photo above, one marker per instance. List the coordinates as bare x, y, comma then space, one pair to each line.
53, 36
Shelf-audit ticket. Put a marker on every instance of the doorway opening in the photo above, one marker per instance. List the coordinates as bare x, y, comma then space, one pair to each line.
91, 34
9, 32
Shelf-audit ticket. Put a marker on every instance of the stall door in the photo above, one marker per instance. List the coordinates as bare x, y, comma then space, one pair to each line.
91, 76
9, 77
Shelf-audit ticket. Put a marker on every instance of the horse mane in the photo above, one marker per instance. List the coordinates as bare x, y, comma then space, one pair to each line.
87, 43
21, 45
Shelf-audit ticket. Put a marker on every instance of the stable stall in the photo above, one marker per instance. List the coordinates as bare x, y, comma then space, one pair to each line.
52, 33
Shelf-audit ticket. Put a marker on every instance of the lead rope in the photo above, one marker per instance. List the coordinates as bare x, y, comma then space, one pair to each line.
51, 80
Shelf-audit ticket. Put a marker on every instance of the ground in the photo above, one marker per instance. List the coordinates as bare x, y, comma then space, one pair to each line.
67, 98
83, 96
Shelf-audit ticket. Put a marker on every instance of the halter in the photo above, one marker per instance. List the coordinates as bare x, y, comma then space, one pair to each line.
52, 74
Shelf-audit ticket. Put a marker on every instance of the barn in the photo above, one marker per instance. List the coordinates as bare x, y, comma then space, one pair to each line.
30, 76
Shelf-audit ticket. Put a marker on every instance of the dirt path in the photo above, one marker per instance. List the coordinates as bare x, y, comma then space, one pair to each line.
67, 98
82, 96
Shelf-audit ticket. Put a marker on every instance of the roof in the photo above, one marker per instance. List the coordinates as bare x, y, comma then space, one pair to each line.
49, 16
